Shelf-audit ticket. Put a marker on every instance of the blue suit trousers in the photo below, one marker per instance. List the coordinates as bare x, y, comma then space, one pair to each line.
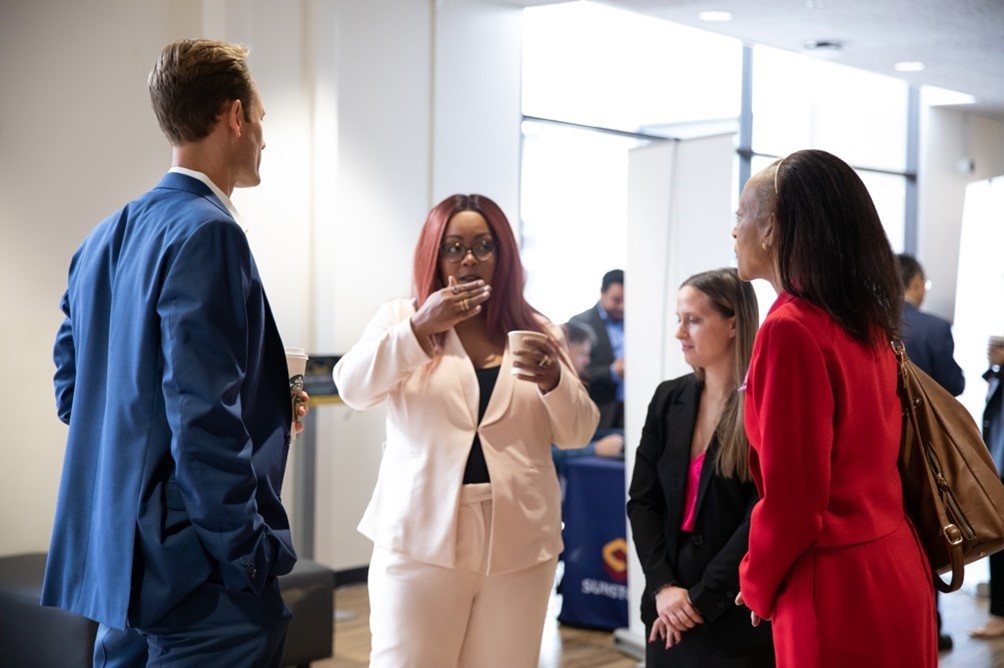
210, 627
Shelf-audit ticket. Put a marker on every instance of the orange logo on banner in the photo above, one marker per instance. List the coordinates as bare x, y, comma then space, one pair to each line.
615, 560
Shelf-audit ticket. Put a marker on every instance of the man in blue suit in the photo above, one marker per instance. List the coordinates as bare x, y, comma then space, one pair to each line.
171, 375
929, 343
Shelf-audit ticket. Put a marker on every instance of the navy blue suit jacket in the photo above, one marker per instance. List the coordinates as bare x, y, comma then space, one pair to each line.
600, 380
172, 377
930, 345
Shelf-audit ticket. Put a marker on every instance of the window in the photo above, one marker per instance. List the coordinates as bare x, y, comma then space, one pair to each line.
597, 82
801, 102
574, 214
595, 65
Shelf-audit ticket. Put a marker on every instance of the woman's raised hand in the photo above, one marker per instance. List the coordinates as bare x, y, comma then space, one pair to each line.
445, 308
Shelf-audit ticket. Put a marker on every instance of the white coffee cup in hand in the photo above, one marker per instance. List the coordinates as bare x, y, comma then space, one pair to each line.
516, 339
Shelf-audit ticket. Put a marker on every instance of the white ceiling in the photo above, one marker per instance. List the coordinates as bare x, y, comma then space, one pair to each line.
961, 42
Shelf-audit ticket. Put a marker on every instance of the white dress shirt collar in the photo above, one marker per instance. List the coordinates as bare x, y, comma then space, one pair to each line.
216, 191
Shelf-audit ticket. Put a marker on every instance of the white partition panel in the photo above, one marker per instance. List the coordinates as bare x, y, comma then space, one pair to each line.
980, 286
679, 223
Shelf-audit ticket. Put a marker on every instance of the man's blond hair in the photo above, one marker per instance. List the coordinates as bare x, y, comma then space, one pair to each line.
191, 82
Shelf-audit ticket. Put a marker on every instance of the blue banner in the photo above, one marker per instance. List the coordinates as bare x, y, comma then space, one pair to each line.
594, 587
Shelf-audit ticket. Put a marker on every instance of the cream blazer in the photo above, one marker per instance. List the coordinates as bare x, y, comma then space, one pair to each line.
432, 412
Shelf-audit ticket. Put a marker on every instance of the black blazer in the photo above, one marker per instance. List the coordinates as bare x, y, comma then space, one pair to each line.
601, 383
708, 564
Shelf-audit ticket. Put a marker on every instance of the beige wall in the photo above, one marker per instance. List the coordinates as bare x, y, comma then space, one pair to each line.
77, 139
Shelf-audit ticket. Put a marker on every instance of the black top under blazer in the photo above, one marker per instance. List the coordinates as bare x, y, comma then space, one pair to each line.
706, 563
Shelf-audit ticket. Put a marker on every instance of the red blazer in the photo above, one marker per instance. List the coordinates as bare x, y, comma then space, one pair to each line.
831, 556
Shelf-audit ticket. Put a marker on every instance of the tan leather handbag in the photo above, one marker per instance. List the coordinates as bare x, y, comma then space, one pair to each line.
953, 493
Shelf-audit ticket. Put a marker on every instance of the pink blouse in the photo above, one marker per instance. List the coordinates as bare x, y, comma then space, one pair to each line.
690, 498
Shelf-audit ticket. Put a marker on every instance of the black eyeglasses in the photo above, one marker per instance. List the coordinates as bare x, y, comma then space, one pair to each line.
454, 251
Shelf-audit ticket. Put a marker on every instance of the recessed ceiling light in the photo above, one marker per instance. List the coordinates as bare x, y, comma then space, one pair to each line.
715, 16
909, 66
824, 44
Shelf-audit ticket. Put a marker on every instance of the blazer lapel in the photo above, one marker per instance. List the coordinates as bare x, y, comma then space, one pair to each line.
455, 355
502, 393
679, 425
707, 470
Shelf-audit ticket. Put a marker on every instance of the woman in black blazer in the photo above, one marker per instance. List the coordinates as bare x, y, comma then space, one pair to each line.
691, 494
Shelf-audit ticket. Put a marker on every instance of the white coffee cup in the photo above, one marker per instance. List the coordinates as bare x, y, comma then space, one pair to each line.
516, 341
296, 362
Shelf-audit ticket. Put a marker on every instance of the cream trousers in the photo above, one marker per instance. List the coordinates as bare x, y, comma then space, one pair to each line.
425, 616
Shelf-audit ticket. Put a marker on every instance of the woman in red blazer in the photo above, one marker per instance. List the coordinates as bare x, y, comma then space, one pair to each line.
833, 560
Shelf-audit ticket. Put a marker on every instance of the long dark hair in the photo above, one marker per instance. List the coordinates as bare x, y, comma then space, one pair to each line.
832, 248
732, 297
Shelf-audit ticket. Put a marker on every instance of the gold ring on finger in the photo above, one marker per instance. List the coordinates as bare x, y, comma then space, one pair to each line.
544, 361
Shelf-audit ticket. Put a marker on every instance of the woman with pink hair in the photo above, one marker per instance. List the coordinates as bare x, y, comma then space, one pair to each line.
466, 514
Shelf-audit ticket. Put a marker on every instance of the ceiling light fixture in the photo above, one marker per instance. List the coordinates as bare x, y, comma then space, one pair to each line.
909, 66
824, 45
715, 16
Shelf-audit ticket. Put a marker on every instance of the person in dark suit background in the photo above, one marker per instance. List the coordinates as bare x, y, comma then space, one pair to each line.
605, 442
929, 343
691, 491
170, 372
993, 436
928, 338
605, 373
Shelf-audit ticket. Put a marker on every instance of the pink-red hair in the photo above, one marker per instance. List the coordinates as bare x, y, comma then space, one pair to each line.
507, 309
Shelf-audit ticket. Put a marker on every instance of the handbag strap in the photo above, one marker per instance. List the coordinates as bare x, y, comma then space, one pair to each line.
951, 532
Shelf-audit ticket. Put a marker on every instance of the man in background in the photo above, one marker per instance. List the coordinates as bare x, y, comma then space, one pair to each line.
605, 373
993, 436
605, 442
928, 338
929, 343
171, 375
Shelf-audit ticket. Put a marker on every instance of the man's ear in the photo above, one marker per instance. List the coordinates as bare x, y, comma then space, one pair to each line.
233, 112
